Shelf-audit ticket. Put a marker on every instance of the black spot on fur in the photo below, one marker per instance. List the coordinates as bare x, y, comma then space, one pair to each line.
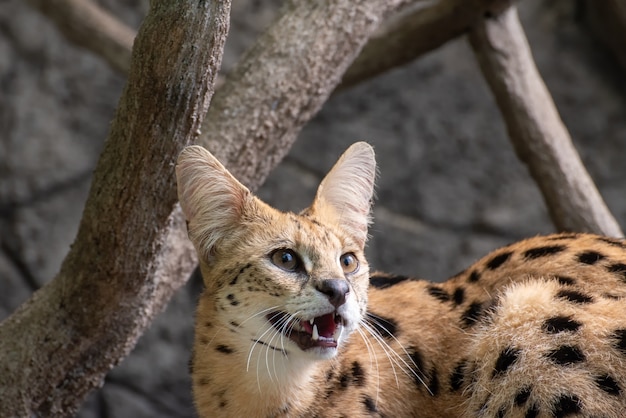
608, 384
204, 381
344, 380
433, 383
386, 327
458, 296
244, 268
501, 412
370, 405
232, 299
315, 222
590, 257
329, 375
234, 324
619, 337
384, 281
532, 412
224, 349
474, 276
417, 365
560, 323
612, 241
438, 293
220, 395
574, 296
543, 251
566, 405
456, 378
483, 406
498, 260
472, 314
522, 396
618, 268
358, 374
284, 410
506, 359
566, 281
566, 355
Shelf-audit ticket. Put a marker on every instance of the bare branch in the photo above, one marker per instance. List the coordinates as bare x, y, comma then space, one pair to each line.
284, 80
118, 275
416, 33
535, 128
87, 25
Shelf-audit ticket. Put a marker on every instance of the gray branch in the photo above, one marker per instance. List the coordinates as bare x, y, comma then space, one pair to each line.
130, 253
540, 138
284, 79
417, 32
89, 26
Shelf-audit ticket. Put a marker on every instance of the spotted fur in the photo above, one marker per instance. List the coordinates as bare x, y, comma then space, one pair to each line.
535, 329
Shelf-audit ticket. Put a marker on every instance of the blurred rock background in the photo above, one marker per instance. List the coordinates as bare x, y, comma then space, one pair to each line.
450, 188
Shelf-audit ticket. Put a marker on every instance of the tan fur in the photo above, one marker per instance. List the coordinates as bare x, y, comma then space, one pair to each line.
536, 329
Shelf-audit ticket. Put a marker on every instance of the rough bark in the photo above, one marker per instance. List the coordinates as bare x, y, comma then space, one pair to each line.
608, 21
540, 138
284, 79
87, 25
416, 33
405, 39
118, 274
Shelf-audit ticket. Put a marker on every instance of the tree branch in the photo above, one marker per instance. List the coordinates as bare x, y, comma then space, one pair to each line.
118, 275
284, 79
88, 25
535, 128
416, 33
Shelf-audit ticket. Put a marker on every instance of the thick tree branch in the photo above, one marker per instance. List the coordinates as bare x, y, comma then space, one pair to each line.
118, 274
284, 80
88, 25
535, 128
416, 33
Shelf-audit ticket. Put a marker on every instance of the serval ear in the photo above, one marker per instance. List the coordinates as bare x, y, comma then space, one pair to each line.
212, 200
346, 192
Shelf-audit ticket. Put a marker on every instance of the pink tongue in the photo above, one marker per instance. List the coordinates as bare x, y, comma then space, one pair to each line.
325, 325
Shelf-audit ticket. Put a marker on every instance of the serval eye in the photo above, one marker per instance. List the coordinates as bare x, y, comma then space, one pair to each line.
286, 259
349, 263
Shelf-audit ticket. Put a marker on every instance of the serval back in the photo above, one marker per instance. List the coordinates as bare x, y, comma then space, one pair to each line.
291, 323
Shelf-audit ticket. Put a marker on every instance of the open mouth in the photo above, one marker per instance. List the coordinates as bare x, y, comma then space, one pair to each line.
321, 331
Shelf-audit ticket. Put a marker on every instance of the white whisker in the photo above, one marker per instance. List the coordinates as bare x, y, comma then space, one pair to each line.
372, 354
255, 339
399, 360
387, 349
